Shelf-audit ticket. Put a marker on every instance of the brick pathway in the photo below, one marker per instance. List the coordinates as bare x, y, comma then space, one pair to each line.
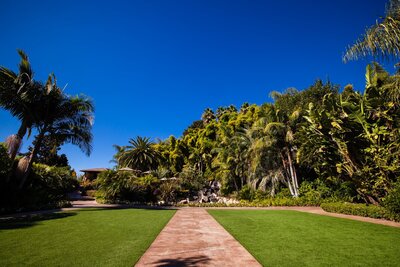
193, 238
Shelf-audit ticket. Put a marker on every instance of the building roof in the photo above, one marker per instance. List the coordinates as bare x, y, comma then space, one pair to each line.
95, 170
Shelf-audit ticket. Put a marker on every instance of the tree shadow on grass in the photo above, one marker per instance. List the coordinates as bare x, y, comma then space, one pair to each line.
183, 262
31, 220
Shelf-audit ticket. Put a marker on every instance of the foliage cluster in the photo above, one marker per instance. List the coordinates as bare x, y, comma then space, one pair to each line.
315, 144
5, 163
312, 145
364, 210
47, 187
57, 118
392, 200
124, 186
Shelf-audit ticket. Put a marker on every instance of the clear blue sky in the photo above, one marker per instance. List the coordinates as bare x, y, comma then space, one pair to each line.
152, 67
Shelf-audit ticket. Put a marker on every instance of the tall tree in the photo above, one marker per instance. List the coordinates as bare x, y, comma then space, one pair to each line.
19, 94
68, 119
278, 130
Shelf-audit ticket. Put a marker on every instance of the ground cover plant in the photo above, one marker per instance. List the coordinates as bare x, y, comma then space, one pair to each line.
291, 238
81, 238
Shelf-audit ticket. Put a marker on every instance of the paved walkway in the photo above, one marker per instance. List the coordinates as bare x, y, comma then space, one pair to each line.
193, 238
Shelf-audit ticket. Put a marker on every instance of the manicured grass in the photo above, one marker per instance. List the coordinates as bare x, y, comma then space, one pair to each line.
290, 238
81, 238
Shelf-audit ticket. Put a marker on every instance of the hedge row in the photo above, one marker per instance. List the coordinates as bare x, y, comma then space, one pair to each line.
364, 210
267, 202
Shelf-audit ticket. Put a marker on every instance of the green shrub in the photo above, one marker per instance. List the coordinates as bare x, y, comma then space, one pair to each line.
117, 187
46, 188
392, 201
265, 202
318, 191
284, 192
49, 185
364, 210
168, 191
246, 193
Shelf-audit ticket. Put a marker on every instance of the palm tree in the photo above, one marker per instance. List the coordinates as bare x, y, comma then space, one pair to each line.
207, 116
65, 118
278, 134
382, 39
19, 94
140, 154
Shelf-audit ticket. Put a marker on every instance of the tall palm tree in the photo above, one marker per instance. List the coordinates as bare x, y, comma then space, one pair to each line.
382, 39
19, 94
69, 119
278, 133
140, 154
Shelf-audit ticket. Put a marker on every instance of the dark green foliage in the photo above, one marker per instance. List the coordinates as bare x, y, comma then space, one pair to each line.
392, 200
5, 163
195, 125
120, 186
47, 187
319, 190
355, 137
246, 193
360, 210
47, 152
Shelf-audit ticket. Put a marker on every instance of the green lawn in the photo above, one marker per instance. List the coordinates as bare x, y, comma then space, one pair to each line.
81, 238
290, 238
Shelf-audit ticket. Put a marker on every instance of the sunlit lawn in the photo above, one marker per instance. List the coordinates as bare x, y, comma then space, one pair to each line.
82, 238
290, 238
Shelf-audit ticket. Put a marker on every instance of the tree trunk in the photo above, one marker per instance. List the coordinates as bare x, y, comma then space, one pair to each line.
369, 199
16, 144
13, 145
293, 175
235, 183
287, 175
32, 156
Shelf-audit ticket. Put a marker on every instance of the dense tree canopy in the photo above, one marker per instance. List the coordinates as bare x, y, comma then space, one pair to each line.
344, 142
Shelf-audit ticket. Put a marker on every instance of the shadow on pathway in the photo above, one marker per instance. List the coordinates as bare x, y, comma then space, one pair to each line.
183, 261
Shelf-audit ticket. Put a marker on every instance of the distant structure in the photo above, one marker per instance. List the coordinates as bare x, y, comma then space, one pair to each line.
91, 174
